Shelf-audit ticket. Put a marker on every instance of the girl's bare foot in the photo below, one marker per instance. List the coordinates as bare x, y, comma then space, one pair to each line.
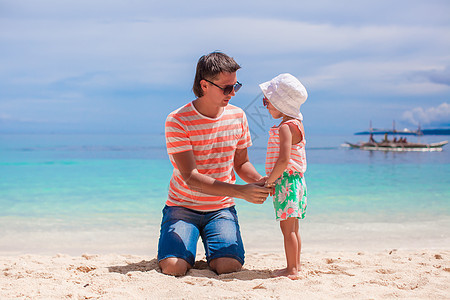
291, 274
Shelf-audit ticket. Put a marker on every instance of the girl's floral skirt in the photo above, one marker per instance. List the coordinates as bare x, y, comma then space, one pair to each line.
289, 198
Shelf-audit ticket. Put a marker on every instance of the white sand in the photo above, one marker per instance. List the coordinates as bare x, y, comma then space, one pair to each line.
361, 266
411, 274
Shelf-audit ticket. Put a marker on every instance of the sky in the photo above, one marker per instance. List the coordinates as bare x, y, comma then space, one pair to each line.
121, 66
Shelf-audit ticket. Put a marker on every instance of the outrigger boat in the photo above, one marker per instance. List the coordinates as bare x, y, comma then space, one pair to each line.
398, 145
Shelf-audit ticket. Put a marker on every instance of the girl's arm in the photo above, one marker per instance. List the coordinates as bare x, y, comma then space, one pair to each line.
285, 154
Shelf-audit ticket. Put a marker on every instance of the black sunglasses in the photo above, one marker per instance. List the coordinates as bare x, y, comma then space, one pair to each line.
228, 88
265, 101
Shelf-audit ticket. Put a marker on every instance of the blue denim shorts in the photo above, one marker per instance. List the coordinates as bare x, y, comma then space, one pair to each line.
181, 227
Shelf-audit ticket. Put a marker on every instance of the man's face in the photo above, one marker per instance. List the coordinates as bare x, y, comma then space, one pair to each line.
215, 93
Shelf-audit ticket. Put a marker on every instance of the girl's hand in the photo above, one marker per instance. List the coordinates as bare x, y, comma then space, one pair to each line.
271, 186
262, 181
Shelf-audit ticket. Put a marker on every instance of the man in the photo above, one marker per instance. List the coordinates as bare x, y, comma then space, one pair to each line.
206, 139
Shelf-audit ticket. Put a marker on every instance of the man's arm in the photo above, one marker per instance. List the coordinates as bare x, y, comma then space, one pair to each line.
245, 169
185, 162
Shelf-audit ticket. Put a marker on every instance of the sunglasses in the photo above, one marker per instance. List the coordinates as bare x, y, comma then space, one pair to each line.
265, 101
228, 88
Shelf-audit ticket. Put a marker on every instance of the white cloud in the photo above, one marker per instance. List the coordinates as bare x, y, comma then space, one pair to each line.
439, 115
152, 50
388, 77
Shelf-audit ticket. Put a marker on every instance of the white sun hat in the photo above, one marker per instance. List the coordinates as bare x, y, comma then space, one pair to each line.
286, 93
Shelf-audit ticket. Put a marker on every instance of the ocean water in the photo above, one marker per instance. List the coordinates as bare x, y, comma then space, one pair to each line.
104, 193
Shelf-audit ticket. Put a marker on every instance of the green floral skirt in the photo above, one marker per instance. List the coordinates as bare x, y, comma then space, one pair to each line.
289, 198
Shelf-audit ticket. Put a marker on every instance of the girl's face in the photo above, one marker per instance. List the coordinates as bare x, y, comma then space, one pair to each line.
272, 110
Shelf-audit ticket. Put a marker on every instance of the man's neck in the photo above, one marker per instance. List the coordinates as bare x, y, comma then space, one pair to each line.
203, 106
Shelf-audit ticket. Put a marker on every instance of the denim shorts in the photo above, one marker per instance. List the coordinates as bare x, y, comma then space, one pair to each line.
181, 227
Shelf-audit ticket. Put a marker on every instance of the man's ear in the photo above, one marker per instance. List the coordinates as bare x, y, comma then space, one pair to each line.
204, 85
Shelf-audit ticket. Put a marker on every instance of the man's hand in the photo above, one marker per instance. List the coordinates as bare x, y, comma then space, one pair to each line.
254, 193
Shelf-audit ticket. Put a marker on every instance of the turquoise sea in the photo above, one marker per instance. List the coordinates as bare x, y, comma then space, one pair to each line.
77, 193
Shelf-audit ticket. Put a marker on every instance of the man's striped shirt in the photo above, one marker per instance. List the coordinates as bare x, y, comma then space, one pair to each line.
213, 143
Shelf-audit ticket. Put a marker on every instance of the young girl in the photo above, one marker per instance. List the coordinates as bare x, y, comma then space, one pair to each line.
286, 163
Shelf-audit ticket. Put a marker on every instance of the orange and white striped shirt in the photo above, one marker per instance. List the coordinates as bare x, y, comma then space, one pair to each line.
213, 142
297, 160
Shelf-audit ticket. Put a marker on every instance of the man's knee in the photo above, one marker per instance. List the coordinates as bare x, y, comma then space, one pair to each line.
174, 266
224, 265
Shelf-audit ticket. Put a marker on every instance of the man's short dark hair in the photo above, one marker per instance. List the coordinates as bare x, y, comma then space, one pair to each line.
211, 65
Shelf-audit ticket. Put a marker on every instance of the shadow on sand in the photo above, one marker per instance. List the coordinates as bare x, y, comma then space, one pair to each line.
200, 269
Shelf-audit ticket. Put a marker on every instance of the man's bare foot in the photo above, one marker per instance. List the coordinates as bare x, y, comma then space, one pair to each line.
291, 274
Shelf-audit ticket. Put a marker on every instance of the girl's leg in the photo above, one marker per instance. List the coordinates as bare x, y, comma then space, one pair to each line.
299, 240
291, 243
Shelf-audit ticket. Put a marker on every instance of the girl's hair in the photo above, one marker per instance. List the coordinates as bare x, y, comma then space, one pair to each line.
211, 65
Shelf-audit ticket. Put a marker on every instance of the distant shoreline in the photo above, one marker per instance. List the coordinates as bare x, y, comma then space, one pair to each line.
437, 131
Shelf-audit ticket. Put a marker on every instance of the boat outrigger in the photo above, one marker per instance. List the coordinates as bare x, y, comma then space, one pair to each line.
400, 145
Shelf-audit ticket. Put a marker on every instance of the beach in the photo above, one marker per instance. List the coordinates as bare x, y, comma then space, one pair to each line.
419, 274
338, 261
